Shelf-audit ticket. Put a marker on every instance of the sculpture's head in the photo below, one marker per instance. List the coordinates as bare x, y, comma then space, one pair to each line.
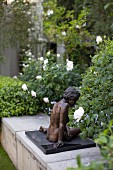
71, 95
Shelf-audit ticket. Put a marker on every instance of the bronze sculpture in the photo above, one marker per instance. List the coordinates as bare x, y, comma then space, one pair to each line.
58, 130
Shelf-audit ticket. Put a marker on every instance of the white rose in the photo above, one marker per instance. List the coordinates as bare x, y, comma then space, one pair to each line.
24, 87
9, 1
46, 100
45, 61
28, 13
58, 55
84, 24
78, 26
69, 65
64, 33
15, 77
48, 53
44, 67
24, 65
33, 93
39, 77
29, 53
98, 39
41, 59
28, 45
29, 30
78, 114
33, 29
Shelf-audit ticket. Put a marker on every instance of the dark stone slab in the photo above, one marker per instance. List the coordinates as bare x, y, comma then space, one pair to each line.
46, 146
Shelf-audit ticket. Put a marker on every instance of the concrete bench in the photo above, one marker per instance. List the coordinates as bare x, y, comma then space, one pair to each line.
27, 156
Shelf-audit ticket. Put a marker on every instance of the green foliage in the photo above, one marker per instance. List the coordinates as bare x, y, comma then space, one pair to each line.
14, 100
97, 92
100, 17
105, 141
6, 81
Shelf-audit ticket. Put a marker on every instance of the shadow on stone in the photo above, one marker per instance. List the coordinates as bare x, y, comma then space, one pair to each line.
46, 146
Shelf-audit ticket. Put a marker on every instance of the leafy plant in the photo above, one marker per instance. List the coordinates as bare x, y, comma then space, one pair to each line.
50, 79
97, 92
105, 141
15, 100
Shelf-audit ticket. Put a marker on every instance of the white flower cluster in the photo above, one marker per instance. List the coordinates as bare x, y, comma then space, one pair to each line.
78, 114
31, 29
25, 88
44, 62
69, 65
28, 53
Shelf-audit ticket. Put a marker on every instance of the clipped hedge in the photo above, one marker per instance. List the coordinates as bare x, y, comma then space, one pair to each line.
97, 92
4, 80
14, 101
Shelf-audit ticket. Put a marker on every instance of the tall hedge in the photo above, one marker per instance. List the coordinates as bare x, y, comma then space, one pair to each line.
97, 92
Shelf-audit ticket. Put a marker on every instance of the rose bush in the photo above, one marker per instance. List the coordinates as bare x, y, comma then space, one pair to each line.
49, 79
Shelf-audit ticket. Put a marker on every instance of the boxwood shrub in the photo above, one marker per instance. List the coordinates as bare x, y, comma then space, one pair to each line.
15, 101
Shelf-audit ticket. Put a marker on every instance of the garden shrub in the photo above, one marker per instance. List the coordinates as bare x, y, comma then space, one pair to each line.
49, 79
14, 100
97, 92
6, 81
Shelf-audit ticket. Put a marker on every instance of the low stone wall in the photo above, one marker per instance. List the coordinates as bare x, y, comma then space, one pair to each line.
27, 156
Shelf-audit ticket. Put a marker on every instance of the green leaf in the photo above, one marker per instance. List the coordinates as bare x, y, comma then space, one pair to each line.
101, 140
79, 163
